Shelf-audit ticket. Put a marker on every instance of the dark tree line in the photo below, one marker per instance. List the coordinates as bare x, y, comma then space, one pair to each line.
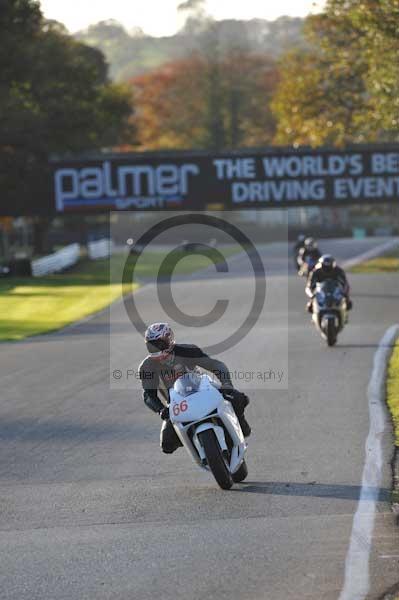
55, 97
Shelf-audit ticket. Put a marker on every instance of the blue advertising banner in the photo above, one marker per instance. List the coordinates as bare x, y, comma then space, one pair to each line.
251, 178
248, 179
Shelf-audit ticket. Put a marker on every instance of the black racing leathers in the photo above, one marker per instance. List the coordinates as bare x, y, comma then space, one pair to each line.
318, 275
158, 377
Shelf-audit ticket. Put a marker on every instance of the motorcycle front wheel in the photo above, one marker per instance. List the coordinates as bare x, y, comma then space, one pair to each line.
215, 459
241, 474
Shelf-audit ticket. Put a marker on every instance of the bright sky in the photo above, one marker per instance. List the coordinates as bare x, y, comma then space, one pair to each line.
160, 17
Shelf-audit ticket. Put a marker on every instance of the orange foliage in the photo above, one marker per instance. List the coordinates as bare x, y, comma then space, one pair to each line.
181, 103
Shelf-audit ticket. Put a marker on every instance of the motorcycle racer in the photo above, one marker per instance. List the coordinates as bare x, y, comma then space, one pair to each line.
310, 251
298, 246
165, 363
327, 268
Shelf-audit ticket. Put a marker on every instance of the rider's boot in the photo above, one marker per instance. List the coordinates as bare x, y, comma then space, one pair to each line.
245, 426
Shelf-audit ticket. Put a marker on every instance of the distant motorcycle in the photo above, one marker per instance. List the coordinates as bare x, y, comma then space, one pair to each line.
208, 428
329, 310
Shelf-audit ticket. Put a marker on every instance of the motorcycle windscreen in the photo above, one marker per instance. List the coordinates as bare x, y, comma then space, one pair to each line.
188, 384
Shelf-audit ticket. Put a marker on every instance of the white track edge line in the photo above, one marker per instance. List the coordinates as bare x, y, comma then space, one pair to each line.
357, 576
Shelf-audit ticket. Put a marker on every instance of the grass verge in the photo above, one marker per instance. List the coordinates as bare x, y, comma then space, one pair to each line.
387, 263
31, 306
393, 405
393, 390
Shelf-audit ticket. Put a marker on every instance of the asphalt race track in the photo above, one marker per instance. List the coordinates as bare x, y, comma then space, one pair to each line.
89, 507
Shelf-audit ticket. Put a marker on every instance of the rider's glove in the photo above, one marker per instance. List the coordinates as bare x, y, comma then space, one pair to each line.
164, 413
239, 400
227, 393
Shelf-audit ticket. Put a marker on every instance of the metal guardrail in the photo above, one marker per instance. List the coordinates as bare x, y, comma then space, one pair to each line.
100, 249
57, 262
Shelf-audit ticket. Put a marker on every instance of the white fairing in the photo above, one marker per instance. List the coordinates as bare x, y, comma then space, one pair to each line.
189, 412
199, 404
335, 309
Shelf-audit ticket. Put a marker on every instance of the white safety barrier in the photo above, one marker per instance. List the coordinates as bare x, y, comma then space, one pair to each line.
54, 263
100, 249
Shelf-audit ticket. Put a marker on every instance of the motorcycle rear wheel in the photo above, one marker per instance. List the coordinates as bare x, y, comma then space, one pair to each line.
215, 459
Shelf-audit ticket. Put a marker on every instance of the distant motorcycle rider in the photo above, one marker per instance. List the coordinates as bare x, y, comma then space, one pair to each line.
165, 363
327, 268
310, 253
299, 244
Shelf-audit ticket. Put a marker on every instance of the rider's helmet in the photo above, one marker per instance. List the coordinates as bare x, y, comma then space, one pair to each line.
309, 243
301, 238
160, 340
327, 263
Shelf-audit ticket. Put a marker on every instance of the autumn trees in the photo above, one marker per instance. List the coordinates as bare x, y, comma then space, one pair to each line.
345, 86
56, 97
206, 102
341, 87
132, 53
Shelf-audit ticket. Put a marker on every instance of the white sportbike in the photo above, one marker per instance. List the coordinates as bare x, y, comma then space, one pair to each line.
208, 428
330, 310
